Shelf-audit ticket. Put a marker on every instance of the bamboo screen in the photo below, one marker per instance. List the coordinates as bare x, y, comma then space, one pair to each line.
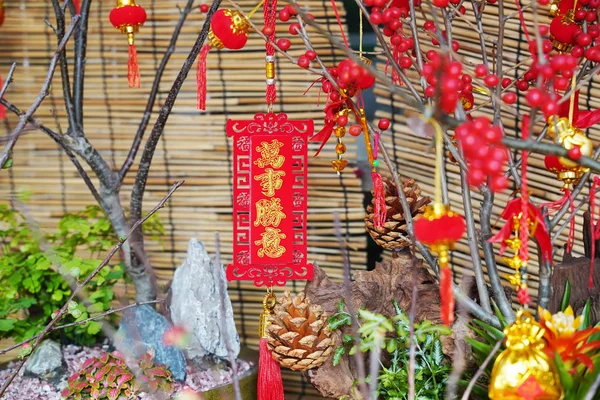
410, 150
194, 146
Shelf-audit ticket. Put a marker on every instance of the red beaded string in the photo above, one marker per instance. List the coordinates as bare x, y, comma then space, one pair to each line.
270, 15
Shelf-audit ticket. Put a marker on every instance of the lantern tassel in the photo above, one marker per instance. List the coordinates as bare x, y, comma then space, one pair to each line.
133, 68
2, 108
446, 296
270, 385
379, 206
201, 78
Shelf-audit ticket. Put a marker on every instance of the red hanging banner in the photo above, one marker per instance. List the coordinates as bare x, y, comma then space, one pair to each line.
270, 199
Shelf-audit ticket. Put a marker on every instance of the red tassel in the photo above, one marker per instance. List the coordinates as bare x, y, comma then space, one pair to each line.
2, 108
133, 68
557, 205
379, 207
446, 296
77, 5
201, 78
270, 384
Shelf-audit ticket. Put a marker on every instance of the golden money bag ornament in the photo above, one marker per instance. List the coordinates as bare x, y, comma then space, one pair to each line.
440, 228
523, 371
128, 16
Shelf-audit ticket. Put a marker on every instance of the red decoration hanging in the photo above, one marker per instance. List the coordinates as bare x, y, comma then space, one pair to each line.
440, 228
127, 16
228, 30
270, 199
77, 5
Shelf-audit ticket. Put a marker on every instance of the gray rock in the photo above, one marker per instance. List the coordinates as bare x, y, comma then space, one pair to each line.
142, 330
197, 291
47, 362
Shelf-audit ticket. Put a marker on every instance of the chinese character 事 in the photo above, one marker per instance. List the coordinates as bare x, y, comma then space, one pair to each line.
269, 212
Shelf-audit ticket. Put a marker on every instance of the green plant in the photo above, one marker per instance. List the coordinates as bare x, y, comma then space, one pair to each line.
109, 377
35, 269
392, 334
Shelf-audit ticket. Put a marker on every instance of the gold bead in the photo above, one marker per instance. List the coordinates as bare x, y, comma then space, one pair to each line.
340, 148
339, 165
340, 132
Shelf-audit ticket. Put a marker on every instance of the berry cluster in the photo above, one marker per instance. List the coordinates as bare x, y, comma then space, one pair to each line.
484, 153
446, 76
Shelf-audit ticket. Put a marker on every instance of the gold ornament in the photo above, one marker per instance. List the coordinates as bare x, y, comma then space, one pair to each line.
523, 371
569, 136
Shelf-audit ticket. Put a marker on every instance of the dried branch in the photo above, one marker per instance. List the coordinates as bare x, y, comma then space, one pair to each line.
82, 322
24, 119
480, 370
79, 67
137, 140
81, 285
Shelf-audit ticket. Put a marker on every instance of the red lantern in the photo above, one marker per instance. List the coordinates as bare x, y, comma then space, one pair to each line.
128, 17
440, 228
228, 30
563, 31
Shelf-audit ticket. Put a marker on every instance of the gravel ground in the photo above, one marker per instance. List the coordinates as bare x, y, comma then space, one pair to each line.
26, 388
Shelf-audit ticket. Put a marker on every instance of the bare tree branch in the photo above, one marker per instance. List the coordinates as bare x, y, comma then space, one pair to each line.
79, 67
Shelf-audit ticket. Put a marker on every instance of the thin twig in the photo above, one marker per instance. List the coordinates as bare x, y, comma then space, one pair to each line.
137, 140
81, 285
79, 67
82, 322
480, 370
44, 91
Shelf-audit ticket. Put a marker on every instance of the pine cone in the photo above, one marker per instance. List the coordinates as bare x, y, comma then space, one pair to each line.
299, 335
390, 234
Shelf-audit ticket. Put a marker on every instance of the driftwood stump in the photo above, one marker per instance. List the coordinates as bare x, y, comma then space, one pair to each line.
576, 270
374, 291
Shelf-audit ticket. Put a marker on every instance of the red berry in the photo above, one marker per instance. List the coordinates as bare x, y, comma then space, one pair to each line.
310, 54
534, 97
491, 80
204, 8
284, 44
522, 85
546, 46
544, 2
455, 46
574, 153
405, 62
376, 18
481, 70
284, 15
309, 17
467, 78
292, 10
561, 83
440, 3
334, 96
590, 16
303, 62
493, 134
546, 71
383, 124
543, 30
429, 25
462, 10
396, 40
429, 91
295, 28
355, 130
577, 51
395, 24
498, 183
550, 108
327, 86
342, 120
268, 30
506, 82
583, 39
467, 87
476, 177
509, 97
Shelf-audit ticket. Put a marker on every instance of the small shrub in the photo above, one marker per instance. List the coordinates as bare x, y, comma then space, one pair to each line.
34, 271
108, 377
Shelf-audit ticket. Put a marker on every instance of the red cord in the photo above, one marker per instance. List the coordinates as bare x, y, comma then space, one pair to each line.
339, 21
201, 78
270, 18
524, 228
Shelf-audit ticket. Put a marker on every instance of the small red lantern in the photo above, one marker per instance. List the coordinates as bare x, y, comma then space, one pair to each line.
127, 16
440, 228
563, 31
228, 30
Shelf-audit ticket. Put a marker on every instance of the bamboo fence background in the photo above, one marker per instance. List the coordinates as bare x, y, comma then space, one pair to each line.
194, 145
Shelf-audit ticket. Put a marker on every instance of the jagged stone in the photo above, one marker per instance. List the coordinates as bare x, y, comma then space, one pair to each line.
46, 362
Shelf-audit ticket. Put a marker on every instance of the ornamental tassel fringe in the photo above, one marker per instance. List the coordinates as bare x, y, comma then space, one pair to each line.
133, 68
201, 78
379, 205
446, 296
2, 108
77, 5
270, 384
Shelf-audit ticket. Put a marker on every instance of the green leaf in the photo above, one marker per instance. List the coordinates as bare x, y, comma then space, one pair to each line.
492, 331
8, 163
585, 313
94, 327
565, 377
499, 315
337, 356
338, 320
7, 324
566, 296
341, 305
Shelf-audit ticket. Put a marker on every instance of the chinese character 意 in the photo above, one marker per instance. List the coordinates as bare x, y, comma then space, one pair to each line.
268, 212
270, 181
271, 243
270, 154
